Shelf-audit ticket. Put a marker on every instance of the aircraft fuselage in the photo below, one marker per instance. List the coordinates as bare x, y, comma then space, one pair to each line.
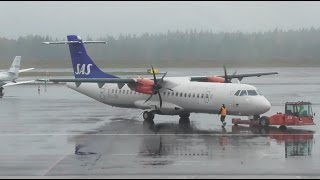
186, 97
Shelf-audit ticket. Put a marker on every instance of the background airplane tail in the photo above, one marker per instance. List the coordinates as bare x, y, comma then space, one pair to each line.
83, 65
15, 67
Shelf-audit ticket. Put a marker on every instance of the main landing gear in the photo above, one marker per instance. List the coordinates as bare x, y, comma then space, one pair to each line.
1, 92
148, 118
184, 121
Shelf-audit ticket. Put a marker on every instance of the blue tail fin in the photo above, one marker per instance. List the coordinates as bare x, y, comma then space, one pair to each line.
83, 66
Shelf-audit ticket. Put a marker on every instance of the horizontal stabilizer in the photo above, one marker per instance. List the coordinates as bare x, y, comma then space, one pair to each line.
17, 83
24, 70
75, 42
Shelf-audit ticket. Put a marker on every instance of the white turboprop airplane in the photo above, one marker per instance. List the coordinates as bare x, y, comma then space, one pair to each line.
173, 95
9, 78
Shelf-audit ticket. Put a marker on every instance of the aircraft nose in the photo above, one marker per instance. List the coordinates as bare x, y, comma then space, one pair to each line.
265, 105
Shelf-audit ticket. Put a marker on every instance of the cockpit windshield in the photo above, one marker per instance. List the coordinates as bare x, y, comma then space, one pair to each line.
246, 93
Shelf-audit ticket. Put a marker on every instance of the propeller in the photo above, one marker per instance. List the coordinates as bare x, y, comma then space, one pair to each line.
226, 79
157, 86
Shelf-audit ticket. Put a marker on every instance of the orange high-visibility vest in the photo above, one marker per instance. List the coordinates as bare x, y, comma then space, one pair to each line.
223, 111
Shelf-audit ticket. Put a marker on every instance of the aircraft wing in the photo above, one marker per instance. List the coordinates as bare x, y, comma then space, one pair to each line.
100, 81
238, 76
92, 80
24, 70
12, 83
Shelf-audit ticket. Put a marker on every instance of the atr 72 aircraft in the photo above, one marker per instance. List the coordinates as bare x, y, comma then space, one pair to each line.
166, 95
9, 78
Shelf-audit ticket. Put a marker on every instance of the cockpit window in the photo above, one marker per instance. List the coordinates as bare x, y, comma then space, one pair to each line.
259, 92
252, 93
237, 93
243, 93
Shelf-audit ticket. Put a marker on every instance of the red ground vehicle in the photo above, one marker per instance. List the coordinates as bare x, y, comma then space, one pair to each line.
296, 114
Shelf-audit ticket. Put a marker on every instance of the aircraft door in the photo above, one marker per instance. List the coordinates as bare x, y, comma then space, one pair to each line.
103, 94
207, 97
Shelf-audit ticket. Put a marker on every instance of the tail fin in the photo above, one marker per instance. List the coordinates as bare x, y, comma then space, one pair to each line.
83, 65
15, 67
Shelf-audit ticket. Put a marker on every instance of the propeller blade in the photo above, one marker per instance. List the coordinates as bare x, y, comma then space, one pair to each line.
226, 79
154, 75
225, 74
163, 76
151, 95
149, 98
235, 72
160, 99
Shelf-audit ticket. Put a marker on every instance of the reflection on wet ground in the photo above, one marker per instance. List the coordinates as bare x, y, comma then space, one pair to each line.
185, 150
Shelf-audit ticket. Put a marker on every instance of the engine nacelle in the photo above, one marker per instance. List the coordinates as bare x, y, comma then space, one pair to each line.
216, 79
145, 86
144, 89
145, 82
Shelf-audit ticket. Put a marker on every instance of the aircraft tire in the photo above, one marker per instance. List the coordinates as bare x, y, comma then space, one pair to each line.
264, 121
283, 128
148, 115
184, 115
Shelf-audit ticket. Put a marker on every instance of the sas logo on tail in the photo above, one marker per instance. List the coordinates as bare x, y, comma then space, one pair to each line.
84, 69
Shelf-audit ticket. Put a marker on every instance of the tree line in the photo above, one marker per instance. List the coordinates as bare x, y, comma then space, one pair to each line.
192, 47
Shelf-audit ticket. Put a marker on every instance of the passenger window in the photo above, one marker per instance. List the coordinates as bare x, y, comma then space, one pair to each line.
181, 94
198, 96
177, 93
112, 91
189, 94
123, 91
237, 93
202, 95
243, 93
252, 93
194, 95
185, 94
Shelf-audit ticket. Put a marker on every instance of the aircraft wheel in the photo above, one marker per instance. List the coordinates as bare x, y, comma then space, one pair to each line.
148, 123
184, 123
264, 121
283, 128
148, 115
184, 116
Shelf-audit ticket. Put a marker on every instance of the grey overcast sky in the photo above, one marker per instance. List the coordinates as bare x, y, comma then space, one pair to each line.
101, 18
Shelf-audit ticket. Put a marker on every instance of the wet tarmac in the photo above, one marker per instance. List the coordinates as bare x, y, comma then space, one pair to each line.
61, 133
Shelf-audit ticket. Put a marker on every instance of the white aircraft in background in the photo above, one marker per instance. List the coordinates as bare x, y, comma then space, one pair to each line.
173, 95
9, 78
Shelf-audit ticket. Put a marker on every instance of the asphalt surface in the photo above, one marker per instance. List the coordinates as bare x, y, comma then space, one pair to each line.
63, 134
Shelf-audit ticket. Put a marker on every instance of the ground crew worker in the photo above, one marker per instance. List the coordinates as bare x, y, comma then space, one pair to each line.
301, 110
223, 111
